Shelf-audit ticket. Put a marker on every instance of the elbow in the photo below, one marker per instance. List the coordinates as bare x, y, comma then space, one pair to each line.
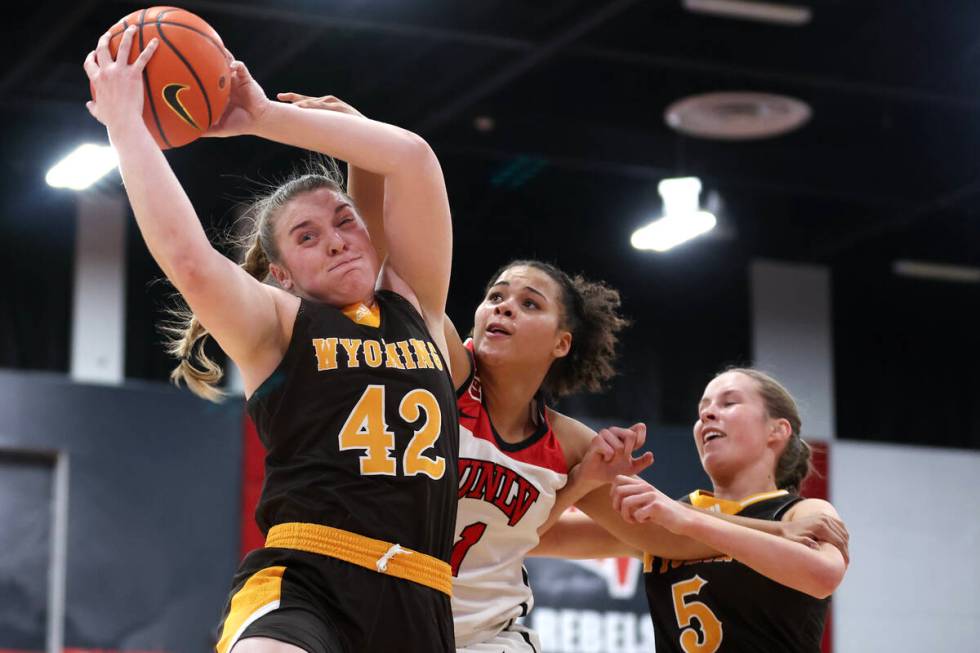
186, 272
826, 578
415, 153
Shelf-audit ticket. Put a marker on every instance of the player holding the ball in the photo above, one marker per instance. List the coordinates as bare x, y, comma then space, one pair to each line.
344, 365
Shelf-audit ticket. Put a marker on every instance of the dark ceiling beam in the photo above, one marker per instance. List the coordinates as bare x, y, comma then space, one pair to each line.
950, 200
704, 67
53, 33
663, 62
517, 68
312, 19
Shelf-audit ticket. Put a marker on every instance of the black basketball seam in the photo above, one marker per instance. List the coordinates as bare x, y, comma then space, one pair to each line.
146, 87
216, 44
200, 84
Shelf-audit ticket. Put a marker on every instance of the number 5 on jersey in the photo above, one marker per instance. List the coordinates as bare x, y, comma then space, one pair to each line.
366, 429
688, 610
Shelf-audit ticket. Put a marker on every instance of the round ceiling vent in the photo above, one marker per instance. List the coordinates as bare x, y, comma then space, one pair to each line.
736, 116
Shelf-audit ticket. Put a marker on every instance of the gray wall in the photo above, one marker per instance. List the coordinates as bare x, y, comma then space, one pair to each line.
914, 580
153, 512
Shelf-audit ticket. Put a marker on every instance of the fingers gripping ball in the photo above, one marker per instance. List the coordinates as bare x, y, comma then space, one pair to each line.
187, 81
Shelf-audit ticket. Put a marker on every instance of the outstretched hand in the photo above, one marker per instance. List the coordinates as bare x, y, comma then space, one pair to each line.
638, 501
811, 530
117, 85
247, 103
610, 454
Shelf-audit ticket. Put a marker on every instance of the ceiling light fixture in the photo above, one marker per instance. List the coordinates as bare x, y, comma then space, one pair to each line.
83, 167
766, 12
682, 219
936, 271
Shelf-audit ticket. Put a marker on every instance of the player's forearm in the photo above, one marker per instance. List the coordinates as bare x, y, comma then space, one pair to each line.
648, 537
368, 192
763, 525
573, 491
575, 536
373, 146
164, 214
816, 572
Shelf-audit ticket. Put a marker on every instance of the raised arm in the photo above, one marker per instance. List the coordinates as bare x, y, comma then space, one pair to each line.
417, 225
240, 312
367, 189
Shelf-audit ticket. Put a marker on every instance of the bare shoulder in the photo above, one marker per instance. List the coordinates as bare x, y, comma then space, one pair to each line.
263, 358
389, 279
287, 306
810, 507
573, 435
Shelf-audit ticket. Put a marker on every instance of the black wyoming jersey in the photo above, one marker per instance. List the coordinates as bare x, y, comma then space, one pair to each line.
721, 605
361, 428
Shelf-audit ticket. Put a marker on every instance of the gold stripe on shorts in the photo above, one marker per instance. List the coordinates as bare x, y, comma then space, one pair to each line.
376, 555
258, 596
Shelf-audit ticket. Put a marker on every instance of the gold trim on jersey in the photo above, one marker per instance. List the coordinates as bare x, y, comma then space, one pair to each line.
708, 501
259, 596
361, 313
376, 555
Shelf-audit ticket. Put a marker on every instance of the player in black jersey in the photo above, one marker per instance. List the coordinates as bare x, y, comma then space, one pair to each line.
349, 386
759, 593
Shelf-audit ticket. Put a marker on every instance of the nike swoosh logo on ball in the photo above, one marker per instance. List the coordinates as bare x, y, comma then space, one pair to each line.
171, 95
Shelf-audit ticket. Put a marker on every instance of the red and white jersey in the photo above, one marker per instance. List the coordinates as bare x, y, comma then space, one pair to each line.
506, 492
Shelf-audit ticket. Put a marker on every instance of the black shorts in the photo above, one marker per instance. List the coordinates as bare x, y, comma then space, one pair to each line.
325, 605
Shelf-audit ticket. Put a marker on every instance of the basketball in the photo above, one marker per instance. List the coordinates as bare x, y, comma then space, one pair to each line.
188, 79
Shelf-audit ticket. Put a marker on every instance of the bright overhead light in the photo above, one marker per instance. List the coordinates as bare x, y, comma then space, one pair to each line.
83, 167
682, 219
936, 271
669, 232
767, 12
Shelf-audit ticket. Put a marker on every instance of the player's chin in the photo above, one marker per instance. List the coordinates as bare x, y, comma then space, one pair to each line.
351, 285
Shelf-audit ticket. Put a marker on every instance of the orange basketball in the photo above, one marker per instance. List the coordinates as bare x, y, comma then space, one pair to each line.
188, 79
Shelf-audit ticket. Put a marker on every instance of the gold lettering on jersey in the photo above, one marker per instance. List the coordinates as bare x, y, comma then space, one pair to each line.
421, 355
351, 346
435, 356
667, 565
326, 353
392, 359
407, 354
372, 353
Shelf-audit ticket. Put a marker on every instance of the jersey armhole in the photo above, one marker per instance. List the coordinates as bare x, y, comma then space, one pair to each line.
469, 377
781, 513
269, 382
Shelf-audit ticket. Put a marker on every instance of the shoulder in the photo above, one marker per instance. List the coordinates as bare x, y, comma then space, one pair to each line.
573, 435
810, 507
434, 322
287, 307
389, 279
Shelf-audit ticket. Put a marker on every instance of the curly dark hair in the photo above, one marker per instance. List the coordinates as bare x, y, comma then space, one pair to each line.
590, 312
